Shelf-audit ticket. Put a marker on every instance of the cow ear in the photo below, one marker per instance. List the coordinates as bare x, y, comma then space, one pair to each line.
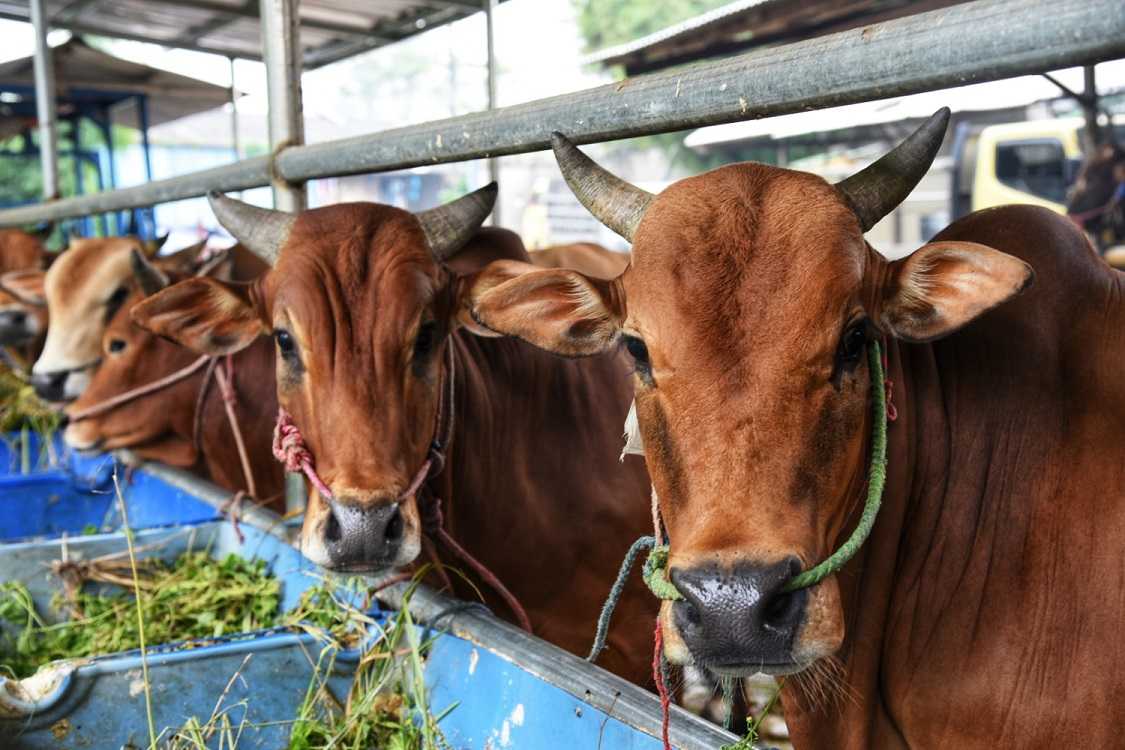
185, 260
26, 286
203, 314
555, 309
945, 285
152, 247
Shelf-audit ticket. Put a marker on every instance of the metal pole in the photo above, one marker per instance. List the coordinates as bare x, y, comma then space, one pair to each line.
490, 33
233, 113
148, 212
45, 103
881, 61
281, 51
1090, 109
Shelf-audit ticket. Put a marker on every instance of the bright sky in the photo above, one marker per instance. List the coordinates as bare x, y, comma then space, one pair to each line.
531, 66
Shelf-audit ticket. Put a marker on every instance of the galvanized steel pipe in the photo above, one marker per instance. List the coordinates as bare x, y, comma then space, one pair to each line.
44, 73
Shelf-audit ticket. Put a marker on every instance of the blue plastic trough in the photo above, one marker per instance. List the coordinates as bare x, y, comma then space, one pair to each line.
64, 493
504, 688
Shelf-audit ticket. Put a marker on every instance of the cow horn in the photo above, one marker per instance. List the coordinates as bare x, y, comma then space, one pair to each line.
611, 200
876, 190
448, 227
151, 278
263, 231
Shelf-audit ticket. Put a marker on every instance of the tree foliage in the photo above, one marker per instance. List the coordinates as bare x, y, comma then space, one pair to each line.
604, 23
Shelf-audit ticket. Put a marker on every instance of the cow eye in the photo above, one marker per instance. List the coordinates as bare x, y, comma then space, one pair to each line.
113, 304
853, 344
639, 352
425, 340
285, 343
116, 346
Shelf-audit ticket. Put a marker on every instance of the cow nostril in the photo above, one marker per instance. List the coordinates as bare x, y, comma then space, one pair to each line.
781, 610
395, 527
691, 613
332, 528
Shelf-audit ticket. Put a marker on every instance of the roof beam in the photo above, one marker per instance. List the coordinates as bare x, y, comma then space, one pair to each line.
385, 32
251, 11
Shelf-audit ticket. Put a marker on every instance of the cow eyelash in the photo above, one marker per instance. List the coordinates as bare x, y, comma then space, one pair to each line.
425, 340
852, 345
113, 304
639, 352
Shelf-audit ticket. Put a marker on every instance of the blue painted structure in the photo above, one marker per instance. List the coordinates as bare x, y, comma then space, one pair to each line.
504, 688
65, 493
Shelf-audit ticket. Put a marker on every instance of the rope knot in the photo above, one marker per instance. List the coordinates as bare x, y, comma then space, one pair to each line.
289, 448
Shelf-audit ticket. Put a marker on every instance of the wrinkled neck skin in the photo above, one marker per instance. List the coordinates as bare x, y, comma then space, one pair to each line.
984, 610
534, 489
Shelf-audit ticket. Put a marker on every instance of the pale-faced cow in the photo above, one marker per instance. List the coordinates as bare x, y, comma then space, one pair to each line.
985, 609
183, 423
84, 288
363, 303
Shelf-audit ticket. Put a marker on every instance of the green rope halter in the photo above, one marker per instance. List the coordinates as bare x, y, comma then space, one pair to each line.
655, 567
657, 561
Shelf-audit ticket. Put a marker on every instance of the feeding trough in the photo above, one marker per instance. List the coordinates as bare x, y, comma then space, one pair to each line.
486, 684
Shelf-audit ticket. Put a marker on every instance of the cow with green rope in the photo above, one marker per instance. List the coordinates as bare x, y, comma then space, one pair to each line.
947, 609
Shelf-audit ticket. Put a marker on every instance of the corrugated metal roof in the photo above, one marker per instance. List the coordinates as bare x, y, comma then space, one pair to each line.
744, 24
330, 29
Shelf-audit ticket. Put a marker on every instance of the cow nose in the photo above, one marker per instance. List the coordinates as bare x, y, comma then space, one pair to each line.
50, 386
739, 618
363, 536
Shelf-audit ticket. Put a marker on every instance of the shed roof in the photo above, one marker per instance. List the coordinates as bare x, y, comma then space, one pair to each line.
744, 24
330, 29
88, 81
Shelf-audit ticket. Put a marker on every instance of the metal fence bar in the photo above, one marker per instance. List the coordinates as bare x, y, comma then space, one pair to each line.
45, 102
979, 41
281, 51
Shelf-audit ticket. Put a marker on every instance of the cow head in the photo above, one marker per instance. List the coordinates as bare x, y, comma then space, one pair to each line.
84, 287
360, 301
132, 357
1098, 181
748, 306
23, 307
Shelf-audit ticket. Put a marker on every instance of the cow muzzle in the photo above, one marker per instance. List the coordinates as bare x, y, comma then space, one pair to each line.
61, 386
366, 537
739, 621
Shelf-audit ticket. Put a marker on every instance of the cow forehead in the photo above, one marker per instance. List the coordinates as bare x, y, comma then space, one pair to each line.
747, 248
87, 272
351, 261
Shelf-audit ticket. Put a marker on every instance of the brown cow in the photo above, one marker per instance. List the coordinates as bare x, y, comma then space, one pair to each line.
590, 259
985, 610
22, 313
85, 287
1096, 201
363, 304
167, 425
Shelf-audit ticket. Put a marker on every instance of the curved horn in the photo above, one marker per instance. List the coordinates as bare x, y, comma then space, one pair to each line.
611, 200
876, 190
151, 279
263, 231
449, 227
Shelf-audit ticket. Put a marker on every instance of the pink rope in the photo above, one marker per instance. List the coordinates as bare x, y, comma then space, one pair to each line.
661, 687
289, 448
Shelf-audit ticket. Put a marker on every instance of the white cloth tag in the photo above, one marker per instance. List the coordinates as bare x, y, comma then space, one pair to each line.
633, 443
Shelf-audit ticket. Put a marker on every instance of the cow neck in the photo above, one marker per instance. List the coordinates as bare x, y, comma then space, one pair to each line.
212, 370
433, 520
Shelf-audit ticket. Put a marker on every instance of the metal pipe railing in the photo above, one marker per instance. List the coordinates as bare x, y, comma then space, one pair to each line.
974, 42
45, 102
